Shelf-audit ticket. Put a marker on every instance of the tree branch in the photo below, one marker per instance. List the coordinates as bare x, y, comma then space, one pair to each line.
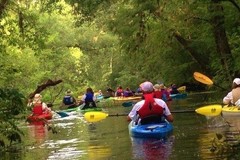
44, 86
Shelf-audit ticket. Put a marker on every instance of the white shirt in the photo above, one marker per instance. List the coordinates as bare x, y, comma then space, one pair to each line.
138, 105
228, 98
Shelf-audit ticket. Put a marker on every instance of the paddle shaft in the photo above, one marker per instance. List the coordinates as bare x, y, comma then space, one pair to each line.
177, 111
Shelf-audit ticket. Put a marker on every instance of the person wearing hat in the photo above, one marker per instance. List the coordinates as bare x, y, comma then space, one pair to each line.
68, 100
233, 97
149, 109
39, 107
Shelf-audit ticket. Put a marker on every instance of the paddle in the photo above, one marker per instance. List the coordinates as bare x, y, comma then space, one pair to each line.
204, 79
98, 116
210, 110
62, 114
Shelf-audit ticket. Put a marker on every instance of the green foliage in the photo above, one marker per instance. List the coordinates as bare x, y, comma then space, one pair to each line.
12, 106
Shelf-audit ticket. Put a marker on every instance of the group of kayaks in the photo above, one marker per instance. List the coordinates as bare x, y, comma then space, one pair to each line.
63, 113
153, 130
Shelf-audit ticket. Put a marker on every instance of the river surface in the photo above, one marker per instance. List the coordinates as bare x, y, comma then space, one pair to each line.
195, 137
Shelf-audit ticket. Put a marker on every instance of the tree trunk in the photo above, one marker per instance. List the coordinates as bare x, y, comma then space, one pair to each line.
221, 40
3, 4
198, 58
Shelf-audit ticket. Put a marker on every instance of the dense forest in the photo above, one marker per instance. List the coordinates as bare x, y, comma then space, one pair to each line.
106, 43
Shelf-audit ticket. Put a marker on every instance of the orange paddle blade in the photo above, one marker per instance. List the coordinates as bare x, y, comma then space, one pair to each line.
202, 78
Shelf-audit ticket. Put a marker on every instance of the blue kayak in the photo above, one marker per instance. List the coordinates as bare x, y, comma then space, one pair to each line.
178, 96
158, 130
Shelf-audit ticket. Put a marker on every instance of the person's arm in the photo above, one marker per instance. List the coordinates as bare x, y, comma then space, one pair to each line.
166, 111
170, 118
45, 107
83, 99
133, 113
94, 98
228, 98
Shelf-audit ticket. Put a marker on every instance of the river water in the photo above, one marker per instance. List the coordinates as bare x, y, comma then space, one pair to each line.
195, 137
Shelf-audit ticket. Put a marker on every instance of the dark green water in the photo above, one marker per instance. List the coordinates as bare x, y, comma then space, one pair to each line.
109, 139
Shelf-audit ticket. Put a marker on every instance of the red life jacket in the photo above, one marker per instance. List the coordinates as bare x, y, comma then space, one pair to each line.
37, 109
150, 107
157, 94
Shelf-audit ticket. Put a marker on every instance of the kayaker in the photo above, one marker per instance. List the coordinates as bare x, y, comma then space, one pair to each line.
174, 89
149, 109
119, 92
165, 94
68, 100
39, 107
110, 92
127, 92
233, 97
157, 91
88, 99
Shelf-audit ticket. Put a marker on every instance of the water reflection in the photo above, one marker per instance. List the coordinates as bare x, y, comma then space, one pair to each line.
38, 131
222, 139
99, 152
152, 149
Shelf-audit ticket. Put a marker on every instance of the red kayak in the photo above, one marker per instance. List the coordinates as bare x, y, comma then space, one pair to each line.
42, 117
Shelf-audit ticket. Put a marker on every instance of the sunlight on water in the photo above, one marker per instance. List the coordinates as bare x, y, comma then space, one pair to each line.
68, 153
194, 137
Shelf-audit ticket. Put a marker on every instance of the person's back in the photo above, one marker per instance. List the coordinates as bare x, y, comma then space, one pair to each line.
89, 99
174, 89
39, 107
119, 92
127, 92
233, 97
157, 91
150, 109
68, 100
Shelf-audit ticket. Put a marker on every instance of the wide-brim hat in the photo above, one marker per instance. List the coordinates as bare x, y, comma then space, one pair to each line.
69, 92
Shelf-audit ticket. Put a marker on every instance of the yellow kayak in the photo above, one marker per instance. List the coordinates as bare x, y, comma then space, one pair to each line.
210, 110
230, 111
125, 98
217, 109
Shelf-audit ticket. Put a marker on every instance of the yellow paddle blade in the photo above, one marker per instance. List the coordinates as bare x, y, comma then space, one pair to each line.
182, 88
210, 110
95, 116
202, 78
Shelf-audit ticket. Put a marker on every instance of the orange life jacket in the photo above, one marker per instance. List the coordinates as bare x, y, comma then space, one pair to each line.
37, 109
150, 107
